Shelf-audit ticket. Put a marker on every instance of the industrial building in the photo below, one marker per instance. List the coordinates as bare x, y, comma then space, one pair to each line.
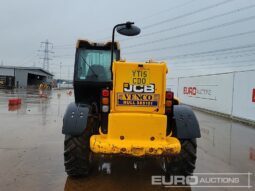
23, 77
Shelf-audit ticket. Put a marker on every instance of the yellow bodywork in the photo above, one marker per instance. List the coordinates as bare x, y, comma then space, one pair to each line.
137, 123
135, 134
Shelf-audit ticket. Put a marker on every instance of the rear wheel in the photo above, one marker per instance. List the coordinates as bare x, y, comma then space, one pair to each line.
184, 163
77, 154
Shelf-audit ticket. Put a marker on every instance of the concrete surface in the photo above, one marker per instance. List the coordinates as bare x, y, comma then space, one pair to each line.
31, 149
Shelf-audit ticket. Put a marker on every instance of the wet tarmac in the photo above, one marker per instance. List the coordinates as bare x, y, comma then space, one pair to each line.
31, 149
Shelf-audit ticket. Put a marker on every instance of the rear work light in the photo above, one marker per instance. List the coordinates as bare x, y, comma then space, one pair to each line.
105, 108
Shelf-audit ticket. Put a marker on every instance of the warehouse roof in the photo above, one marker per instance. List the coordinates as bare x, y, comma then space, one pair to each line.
27, 68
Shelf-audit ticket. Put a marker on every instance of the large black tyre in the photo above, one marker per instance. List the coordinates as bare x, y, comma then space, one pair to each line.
77, 154
185, 162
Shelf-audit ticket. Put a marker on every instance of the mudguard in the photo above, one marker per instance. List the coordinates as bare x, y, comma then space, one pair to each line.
75, 119
186, 124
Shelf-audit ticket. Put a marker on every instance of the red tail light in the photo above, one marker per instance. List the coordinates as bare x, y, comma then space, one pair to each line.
105, 93
169, 103
105, 100
169, 95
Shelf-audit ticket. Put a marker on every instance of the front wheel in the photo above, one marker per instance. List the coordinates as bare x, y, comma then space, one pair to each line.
185, 162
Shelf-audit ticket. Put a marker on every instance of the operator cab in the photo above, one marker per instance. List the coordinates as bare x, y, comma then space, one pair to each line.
92, 71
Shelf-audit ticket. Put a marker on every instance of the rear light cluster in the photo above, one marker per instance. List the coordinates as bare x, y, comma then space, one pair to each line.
105, 100
169, 102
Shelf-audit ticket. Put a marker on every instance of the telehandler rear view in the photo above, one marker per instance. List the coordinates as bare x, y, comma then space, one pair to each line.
123, 108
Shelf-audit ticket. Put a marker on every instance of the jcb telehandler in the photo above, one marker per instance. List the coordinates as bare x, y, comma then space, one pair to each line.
123, 108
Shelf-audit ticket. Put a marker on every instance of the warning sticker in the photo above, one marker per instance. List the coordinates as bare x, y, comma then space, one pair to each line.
135, 99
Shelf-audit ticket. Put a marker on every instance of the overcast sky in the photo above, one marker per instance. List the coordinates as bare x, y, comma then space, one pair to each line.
188, 34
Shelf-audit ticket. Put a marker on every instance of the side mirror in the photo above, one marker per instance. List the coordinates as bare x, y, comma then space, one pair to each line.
128, 29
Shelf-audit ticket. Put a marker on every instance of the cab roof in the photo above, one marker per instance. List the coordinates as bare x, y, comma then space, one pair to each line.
86, 43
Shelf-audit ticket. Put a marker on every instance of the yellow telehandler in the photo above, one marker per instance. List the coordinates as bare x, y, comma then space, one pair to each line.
123, 108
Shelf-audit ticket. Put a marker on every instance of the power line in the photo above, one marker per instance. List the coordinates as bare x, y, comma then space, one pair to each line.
156, 14
192, 43
28, 60
192, 23
213, 59
64, 46
171, 19
168, 20
64, 55
223, 54
196, 57
187, 14
205, 53
220, 66
194, 32
62, 65
210, 52
46, 53
165, 10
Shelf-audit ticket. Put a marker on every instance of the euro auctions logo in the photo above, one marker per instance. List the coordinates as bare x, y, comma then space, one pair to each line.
205, 180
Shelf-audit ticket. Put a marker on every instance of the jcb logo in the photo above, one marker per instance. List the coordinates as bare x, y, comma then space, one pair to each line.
139, 88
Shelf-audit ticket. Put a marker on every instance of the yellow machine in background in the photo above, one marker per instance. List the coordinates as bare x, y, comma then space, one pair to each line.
43, 87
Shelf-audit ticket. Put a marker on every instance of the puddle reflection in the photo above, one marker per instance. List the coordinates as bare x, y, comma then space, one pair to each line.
228, 141
100, 182
14, 107
34, 104
123, 176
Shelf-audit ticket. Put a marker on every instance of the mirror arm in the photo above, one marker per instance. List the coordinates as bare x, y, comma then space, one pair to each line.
113, 34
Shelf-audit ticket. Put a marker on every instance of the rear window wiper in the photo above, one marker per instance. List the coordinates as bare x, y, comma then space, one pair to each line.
89, 67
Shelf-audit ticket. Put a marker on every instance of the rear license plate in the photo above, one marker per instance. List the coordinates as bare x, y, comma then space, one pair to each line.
140, 77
